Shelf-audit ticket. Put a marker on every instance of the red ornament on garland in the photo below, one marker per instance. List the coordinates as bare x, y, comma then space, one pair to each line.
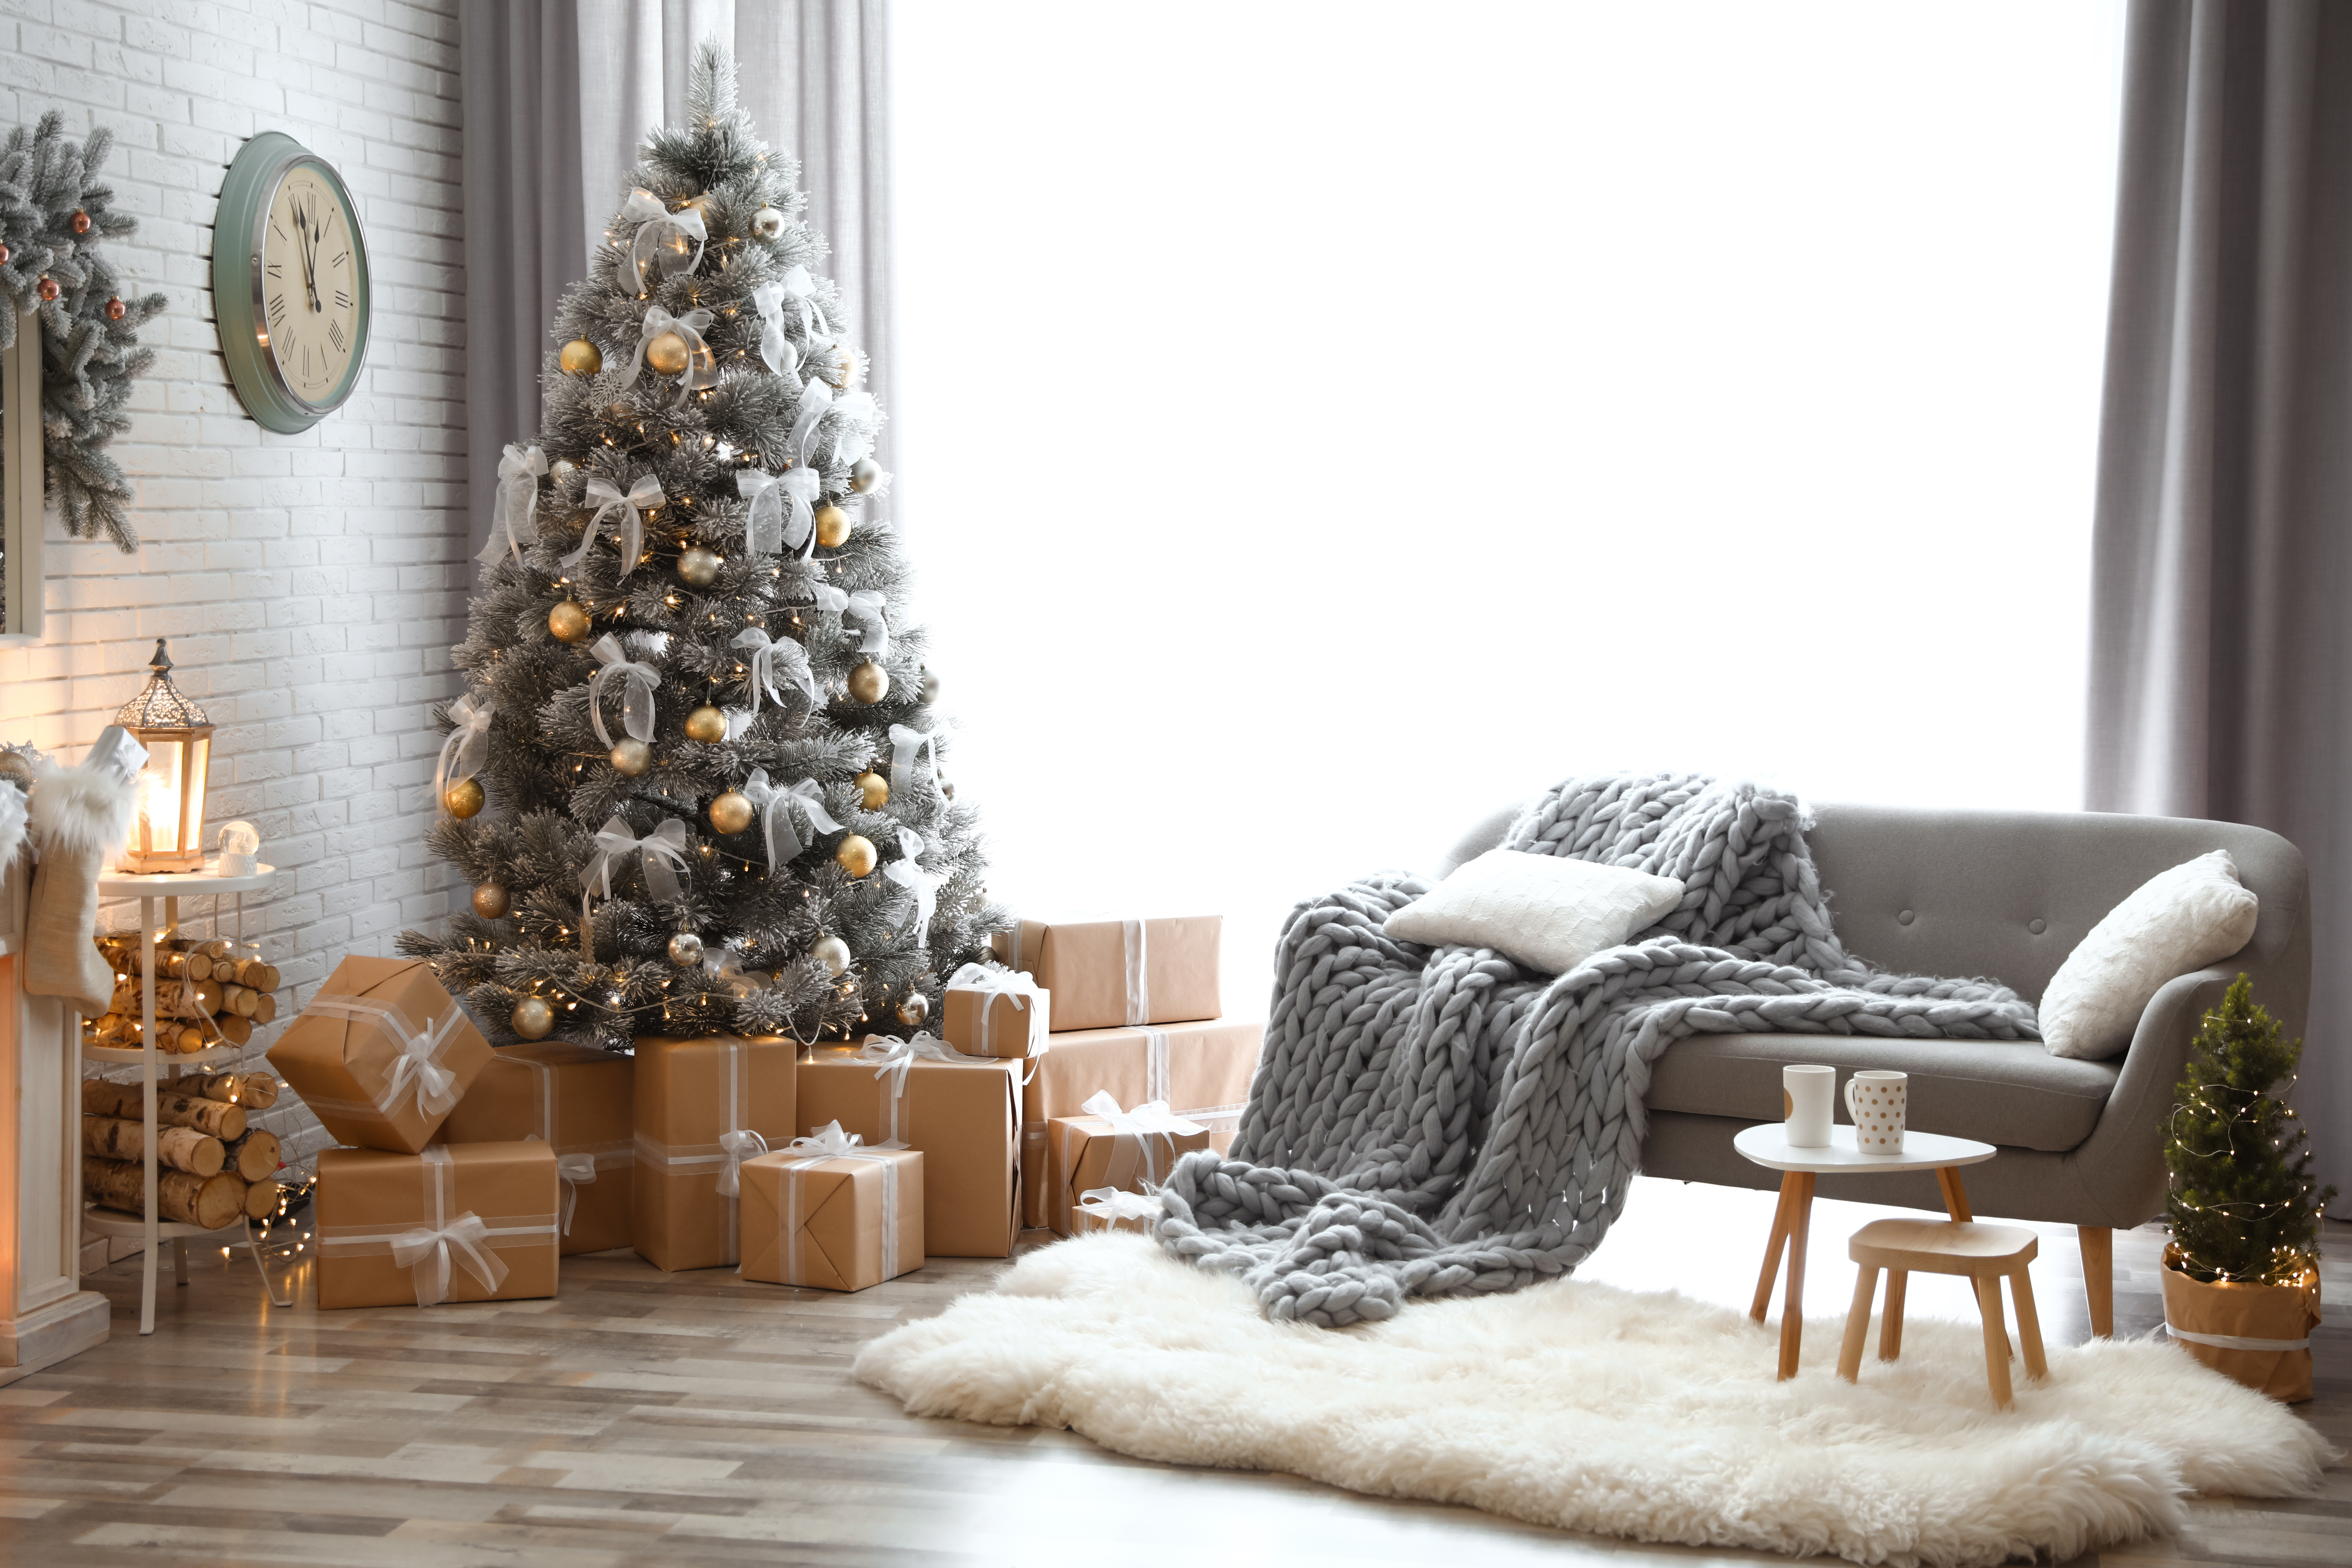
116, 309
81, 221
5, 253
46, 289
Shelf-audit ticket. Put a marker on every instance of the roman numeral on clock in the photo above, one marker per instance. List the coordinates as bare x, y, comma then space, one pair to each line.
340, 256
342, 298
276, 270
277, 309
335, 335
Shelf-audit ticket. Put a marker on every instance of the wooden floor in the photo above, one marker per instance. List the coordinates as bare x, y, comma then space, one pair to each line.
649, 1418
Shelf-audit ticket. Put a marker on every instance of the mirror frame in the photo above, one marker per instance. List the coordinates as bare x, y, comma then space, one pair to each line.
24, 492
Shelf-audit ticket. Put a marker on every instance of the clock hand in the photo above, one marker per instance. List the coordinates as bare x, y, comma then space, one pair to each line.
309, 272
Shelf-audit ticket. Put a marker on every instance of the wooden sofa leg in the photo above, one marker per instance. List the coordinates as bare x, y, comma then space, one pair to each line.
2098, 1245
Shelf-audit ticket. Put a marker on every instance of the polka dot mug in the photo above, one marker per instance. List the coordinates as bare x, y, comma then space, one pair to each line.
1879, 1103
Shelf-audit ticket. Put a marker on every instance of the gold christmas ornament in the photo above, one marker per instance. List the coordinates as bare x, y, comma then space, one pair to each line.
875, 788
706, 724
914, 1010
833, 952
832, 526
855, 855
568, 622
863, 475
767, 224
666, 354
533, 1018
732, 812
116, 309
699, 567
632, 757
869, 682
463, 798
46, 289
686, 950
491, 900
580, 357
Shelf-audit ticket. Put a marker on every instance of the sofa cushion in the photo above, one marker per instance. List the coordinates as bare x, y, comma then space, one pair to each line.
2010, 1092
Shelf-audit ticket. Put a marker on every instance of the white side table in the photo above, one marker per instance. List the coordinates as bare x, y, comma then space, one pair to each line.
1766, 1144
169, 886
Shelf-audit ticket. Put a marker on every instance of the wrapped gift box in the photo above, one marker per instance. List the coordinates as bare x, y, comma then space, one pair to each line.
580, 1100
825, 1213
1109, 972
381, 1054
962, 1113
1201, 1070
703, 1106
987, 1012
461, 1222
1109, 1148
1107, 1208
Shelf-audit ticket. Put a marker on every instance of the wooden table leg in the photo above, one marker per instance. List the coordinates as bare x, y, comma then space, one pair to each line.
2029, 1323
1956, 1196
1771, 1273
1890, 1321
2098, 1245
1956, 1203
1792, 1307
1996, 1342
1857, 1323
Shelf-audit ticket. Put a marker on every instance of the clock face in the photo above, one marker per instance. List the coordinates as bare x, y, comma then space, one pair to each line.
312, 280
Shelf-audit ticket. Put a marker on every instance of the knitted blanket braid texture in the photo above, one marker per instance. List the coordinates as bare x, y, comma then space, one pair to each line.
1429, 1122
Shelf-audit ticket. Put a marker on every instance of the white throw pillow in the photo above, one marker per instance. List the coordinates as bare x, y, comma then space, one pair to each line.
1545, 911
2177, 922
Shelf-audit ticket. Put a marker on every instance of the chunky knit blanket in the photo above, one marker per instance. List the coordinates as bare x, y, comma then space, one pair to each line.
1428, 1121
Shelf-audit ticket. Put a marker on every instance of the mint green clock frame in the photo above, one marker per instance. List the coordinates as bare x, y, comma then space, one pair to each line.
238, 226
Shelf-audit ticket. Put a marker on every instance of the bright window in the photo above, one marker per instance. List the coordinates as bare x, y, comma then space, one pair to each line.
1319, 424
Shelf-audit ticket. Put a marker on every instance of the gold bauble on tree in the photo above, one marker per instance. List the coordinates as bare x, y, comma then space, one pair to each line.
855, 855
706, 724
833, 952
697, 567
915, 1010
875, 788
832, 526
463, 798
686, 950
632, 757
666, 354
491, 900
869, 682
580, 357
732, 812
568, 622
533, 1018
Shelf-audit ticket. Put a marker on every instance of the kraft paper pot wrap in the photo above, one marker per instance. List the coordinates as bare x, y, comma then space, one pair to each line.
1109, 972
582, 1101
461, 1222
835, 1221
1202, 1069
965, 1118
703, 1106
2258, 1334
381, 1054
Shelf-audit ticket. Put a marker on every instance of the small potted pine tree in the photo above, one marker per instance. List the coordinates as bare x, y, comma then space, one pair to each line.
2241, 1274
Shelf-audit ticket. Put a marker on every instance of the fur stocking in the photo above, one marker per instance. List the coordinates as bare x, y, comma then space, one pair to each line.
78, 816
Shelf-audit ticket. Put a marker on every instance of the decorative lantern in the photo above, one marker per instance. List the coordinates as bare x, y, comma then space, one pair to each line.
169, 834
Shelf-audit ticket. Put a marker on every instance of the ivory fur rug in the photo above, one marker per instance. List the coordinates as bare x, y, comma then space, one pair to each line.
1650, 1417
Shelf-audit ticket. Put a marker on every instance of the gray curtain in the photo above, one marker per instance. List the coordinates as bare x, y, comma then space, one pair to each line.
2222, 607
557, 95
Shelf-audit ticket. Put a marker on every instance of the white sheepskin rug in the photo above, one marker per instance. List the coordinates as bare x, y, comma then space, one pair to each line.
1588, 1408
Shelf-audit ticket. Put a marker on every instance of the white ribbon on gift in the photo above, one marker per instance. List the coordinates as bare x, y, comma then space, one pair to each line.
766, 654
425, 1250
631, 504
829, 1142
640, 681
993, 981
466, 749
776, 805
1134, 1131
728, 1153
701, 365
575, 1164
767, 528
907, 744
736, 1147
924, 884
1111, 1204
897, 1059
664, 854
1138, 975
514, 510
2237, 1341
647, 253
418, 1068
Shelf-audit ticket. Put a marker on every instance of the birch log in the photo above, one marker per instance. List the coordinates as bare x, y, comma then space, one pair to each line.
261, 1200
211, 1202
104, 1097
254, 1156
180, 1148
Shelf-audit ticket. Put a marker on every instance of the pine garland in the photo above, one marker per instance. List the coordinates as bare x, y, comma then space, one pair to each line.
88, 359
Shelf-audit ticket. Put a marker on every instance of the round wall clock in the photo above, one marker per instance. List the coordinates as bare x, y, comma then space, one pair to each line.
290, 291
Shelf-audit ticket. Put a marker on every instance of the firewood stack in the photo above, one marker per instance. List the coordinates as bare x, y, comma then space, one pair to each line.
212, 1169
205, 995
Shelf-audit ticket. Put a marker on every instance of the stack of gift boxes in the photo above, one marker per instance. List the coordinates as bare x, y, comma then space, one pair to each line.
1083, 1064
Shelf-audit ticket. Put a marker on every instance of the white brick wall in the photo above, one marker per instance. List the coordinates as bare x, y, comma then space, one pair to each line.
311, 584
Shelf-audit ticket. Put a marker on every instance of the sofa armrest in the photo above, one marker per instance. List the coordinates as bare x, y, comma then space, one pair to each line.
2121, 1163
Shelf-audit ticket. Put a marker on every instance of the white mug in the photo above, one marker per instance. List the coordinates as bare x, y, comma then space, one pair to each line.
1808, 1098
1879, 1103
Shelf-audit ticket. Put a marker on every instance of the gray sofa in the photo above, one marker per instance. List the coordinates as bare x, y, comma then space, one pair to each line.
2007, 895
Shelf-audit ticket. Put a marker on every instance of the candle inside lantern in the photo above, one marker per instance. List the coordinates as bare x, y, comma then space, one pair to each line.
169, 832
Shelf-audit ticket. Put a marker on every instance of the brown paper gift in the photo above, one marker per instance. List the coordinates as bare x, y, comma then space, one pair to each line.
578, 1099
2270, 1323
1102, 1210
461, 1222
381, 1053
1108, 972
1109, 1150
995, 1013
824, 1212
703, 1108
1201, 1070
962, 1113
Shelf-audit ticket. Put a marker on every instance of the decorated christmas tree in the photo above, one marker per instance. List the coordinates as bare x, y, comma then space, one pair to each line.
693, 778
2243, 1205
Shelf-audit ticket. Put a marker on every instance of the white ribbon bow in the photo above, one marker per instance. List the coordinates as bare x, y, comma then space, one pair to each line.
738, 1146
514, 511
1111, 1204
1135, 1130
993, 981
775, 805
639, 683
649, 250
854, 432
899, 1056
923, 884
664, 854
769, 300
767, 653
574, 1171
631, 504
428, 1247
414, 1071
865, 607
466, 749
701, 365
766, 529
816, 402
825, 1142
907, 744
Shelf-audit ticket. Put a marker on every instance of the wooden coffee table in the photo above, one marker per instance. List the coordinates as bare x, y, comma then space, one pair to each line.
1766, 1144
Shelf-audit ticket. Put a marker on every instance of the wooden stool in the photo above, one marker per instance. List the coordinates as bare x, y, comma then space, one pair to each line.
1982, 1252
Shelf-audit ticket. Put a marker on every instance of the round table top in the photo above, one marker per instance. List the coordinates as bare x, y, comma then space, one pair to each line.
181, 884
1767, 1143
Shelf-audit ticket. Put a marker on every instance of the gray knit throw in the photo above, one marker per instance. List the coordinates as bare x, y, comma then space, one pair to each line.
1433, 1120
